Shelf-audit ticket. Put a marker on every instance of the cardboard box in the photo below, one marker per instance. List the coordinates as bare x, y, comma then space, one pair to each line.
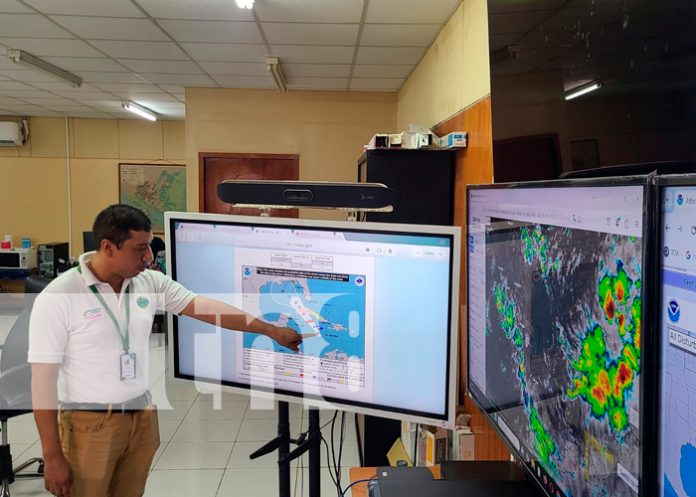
456, 139
464, 445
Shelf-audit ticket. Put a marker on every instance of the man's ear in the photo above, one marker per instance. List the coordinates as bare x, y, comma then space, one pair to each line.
107, 247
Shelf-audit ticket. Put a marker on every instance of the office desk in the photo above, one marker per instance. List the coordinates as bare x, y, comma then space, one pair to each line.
364, 473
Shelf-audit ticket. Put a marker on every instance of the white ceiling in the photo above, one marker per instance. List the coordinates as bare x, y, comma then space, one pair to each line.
148, 51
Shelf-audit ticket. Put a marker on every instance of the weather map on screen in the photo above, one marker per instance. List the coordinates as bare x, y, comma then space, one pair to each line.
559, 336
678, 343
328, 309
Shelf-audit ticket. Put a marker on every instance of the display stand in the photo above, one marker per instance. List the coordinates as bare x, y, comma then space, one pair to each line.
309, 440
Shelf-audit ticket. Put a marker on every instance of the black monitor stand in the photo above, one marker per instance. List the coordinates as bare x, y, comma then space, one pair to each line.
307, 441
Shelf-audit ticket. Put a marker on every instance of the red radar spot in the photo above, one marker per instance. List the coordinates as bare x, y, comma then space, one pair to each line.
609, 307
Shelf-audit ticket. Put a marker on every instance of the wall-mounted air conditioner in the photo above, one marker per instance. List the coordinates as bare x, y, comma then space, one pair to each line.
13, 133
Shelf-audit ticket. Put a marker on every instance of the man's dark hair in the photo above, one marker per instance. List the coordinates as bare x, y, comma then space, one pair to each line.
115, 223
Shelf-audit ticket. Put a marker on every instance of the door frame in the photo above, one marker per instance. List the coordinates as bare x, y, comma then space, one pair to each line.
202, 156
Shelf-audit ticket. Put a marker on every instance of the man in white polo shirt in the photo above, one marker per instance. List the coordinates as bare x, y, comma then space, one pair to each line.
88, 345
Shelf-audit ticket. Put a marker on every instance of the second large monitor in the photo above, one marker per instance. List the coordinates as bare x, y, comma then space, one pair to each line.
556, 307
377, 304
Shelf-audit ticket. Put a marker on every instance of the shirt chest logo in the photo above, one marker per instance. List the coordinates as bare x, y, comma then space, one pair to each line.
142, 302
93, 313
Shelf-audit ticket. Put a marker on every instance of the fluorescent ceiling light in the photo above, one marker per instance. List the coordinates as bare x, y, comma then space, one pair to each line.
139, 110
582, 90
245, 4
23, 58
273, 65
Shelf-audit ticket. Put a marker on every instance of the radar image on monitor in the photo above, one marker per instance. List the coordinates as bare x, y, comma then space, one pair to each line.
563, 351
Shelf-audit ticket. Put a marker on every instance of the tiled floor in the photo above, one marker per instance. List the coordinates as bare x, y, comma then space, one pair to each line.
206, 442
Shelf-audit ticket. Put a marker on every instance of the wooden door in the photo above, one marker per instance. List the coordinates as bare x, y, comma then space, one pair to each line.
214, 168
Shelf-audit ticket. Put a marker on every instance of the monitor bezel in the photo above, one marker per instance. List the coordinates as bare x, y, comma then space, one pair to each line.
453, 233
648, 350
668, 180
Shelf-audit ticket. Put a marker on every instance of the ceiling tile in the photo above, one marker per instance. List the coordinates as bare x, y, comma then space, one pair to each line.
399, 35
181, 79
389, 55
214, 52
13, 85
160, 50
116, 87
311, 34
173, 88
26, 94
30, 25
32, 76
50, 101
14, 6
316, 70
161, 66
109, 28
202, 10
213, 31
378, 84
382, 70
309, 11
295, 54
410, 11
245, 81
151, 97
235, 68
318, 84
47, 48
106, 8
111, 77
25, 109
97, 64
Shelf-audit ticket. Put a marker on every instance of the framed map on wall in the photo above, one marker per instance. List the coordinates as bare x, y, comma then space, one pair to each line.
153, 188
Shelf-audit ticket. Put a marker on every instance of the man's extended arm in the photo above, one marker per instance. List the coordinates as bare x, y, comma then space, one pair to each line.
44, 397
227, 316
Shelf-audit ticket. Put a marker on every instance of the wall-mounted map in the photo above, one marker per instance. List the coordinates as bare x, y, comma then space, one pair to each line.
153, 188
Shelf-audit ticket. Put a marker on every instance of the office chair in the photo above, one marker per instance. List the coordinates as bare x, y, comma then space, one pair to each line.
15, 387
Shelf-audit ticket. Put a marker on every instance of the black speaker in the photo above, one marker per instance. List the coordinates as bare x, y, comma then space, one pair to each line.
422, 180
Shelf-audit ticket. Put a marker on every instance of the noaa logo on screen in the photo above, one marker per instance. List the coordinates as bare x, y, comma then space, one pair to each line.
142, 302
680, 199
360, 281
673, 311
247, 271
665, 251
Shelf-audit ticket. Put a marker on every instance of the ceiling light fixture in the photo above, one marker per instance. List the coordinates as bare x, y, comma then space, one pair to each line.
245, 4
582, 90
273, 65
24, 58
139, 110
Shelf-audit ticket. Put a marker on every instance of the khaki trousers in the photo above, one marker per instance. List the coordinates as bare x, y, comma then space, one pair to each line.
110, 453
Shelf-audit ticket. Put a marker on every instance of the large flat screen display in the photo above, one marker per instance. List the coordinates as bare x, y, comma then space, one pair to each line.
677, 412
376, 303
556, 292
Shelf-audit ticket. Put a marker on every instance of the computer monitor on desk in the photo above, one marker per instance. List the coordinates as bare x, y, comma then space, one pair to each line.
557, 286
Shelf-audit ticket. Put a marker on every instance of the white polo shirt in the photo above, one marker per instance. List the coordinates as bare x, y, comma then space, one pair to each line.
70, 326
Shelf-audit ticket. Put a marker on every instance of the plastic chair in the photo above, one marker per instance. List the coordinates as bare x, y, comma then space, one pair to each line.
15, 388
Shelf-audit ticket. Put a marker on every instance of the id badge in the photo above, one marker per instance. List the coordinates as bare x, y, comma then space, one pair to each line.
128, 366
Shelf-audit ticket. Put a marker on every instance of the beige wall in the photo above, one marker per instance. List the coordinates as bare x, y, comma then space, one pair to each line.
34, 178
327, 129
454, 72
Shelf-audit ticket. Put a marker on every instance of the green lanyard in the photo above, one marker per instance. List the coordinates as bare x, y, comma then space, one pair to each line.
124, 337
